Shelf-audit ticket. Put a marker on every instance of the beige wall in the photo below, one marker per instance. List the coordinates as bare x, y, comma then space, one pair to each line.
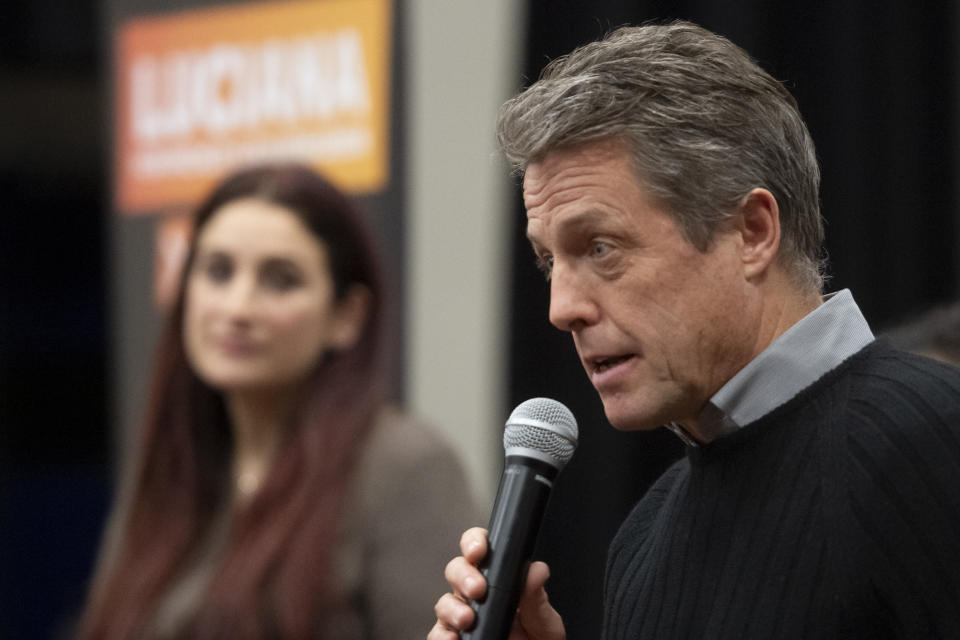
461, 65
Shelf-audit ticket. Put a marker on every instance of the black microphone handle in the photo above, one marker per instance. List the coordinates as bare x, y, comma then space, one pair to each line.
512, 534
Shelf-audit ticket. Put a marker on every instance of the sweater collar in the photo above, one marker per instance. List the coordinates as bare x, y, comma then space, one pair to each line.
818, 343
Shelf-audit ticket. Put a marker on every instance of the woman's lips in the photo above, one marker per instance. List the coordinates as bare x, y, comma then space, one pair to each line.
237, 347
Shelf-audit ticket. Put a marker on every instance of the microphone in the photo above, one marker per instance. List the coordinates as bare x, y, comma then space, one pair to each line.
538, 441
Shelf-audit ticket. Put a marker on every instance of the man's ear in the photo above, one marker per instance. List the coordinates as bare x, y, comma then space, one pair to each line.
350, 316
759, 226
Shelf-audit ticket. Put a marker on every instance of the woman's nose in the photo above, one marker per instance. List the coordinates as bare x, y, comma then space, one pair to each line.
239, 296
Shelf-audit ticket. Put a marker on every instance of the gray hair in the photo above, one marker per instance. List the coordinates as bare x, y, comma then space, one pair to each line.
704, 124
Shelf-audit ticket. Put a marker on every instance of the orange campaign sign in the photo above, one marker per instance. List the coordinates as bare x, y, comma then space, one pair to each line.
200, 92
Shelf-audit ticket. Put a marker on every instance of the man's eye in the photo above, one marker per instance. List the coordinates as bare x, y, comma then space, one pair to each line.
600, 249
545, 265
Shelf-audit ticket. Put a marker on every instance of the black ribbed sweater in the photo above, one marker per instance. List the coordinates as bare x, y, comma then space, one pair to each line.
836, 515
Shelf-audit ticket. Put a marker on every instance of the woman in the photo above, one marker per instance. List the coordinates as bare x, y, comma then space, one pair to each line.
270, 470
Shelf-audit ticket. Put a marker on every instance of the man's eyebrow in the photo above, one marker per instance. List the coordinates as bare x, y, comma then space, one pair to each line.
535, 244
573, 221
582, 218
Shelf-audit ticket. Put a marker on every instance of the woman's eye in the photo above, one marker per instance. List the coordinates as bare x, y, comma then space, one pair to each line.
218, 270
280, 279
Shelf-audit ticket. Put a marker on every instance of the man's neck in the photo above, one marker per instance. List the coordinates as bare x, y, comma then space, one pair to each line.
781, 307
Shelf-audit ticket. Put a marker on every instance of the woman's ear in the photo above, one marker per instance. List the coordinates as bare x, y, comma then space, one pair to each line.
349, 317
759, 226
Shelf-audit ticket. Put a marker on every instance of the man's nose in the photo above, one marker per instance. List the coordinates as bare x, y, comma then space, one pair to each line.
572, 303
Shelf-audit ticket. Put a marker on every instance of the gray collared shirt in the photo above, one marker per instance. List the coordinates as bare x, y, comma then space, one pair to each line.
816, 344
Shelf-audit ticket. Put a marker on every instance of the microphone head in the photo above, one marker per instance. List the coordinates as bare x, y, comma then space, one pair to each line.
541, 428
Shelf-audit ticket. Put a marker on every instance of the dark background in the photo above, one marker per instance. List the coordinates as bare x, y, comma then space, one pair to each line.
876, 83
54, 422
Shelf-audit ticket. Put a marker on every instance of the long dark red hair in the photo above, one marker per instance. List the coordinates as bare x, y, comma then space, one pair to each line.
274, 578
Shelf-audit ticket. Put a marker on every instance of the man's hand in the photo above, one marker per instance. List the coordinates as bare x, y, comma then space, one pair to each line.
536, 619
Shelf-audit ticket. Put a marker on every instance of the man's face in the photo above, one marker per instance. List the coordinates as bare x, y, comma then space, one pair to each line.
659, 326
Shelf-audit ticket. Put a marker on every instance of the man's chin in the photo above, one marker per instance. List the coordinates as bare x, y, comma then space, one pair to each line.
627, 421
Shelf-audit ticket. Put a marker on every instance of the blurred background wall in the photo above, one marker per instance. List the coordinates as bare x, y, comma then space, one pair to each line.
877, 84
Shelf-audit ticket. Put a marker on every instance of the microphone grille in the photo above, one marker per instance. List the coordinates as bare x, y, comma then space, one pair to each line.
541, 428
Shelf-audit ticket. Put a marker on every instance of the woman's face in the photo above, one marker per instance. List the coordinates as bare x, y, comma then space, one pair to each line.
260, 310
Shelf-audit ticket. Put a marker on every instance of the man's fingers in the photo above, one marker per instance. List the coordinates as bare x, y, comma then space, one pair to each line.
537, 576
453, 614
441, 632
473, 544
462, 572
465, 578
538, 619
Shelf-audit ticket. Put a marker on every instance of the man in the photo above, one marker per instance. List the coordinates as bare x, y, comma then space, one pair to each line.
671, 190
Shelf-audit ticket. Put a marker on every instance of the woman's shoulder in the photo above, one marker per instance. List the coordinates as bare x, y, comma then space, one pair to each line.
407, 455
410, 501
400, 437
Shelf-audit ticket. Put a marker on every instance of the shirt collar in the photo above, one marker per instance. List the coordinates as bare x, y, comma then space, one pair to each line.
800, 356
